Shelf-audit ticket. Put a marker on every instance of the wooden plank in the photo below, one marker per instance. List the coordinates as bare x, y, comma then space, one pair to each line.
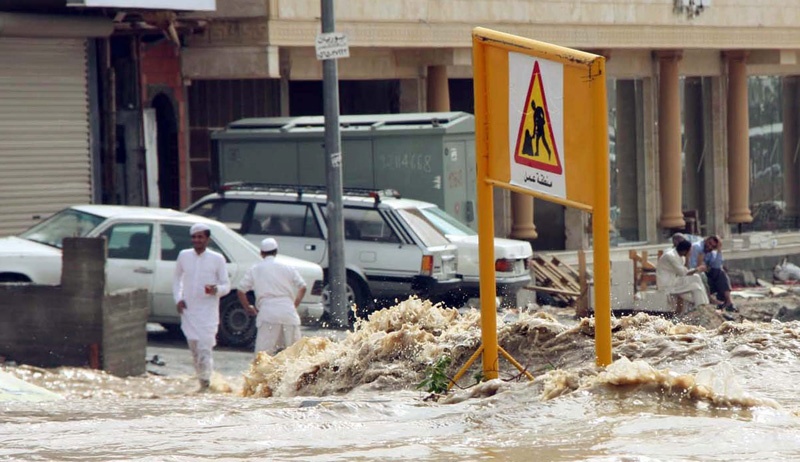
582, 304
559, 264
554, 280
563, 279
544, 277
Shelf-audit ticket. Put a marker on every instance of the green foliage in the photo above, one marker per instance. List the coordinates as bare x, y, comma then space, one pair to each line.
436, 379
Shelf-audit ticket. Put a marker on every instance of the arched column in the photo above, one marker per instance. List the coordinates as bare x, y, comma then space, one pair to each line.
438, 89
791, 189
669, 140
738, 139
522, 226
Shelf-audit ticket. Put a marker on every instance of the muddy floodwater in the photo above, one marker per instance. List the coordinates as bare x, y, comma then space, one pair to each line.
674, 392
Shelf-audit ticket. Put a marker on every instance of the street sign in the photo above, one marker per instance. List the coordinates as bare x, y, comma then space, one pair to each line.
541, 129
332, 45
535, 128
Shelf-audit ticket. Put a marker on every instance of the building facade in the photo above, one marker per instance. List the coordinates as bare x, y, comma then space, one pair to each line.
93, 107
685, 78
678, 85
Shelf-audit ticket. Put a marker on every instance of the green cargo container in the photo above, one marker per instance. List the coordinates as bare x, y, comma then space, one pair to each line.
424, 156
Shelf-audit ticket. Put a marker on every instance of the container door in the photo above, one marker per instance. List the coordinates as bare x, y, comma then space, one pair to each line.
456, 181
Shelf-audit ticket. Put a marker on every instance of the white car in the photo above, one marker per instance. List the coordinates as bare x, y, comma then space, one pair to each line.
388, 254
385, 237
511, 256
143, 245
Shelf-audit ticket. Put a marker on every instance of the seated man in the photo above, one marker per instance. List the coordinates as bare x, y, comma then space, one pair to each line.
718, 281
674, 278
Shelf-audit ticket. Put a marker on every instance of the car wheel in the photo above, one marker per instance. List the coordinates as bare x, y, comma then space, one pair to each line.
236, 327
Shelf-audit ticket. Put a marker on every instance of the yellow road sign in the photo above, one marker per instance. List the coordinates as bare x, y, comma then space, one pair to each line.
536, 149
541, 128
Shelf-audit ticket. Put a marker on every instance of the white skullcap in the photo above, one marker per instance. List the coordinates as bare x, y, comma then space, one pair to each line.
198, 227
677, 237
269, 244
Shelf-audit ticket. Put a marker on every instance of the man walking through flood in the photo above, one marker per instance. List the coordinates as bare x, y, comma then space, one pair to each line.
279, 289
200, 279
674, 278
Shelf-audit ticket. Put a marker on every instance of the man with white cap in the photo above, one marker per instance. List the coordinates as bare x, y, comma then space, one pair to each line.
674, 278
279, 289
200, 279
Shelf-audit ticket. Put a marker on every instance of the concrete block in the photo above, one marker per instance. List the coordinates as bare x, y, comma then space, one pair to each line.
76, 324
653, 301
621, 285
124, 342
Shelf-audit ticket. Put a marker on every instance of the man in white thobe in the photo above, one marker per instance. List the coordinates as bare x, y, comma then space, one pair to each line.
674, 278
200, 279
279, 289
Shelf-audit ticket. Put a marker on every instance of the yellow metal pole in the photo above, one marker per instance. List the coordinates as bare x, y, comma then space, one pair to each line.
485, 202
515, 363
549, 198
600, 220
465, 367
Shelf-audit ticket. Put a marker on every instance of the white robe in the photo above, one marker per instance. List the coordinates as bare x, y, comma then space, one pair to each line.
276, 286
200, 319
673, 278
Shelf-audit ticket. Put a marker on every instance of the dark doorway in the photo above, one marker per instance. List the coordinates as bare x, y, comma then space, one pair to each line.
168, 161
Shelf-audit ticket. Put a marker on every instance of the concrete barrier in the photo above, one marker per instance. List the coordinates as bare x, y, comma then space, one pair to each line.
76, 323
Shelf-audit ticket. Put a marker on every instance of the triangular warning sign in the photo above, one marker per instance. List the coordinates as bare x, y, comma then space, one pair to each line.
536, 146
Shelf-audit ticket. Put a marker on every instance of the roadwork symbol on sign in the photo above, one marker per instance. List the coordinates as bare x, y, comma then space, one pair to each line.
536, 146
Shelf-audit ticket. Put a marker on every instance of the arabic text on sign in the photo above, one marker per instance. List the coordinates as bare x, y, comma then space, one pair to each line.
332, 45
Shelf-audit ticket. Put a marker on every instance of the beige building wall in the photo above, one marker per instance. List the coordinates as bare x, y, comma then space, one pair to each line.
405, 39
392, 39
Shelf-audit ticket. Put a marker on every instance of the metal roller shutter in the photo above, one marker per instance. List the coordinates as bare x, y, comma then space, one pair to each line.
45, 160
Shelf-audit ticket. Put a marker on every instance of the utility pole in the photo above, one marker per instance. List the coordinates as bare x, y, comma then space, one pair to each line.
333, 46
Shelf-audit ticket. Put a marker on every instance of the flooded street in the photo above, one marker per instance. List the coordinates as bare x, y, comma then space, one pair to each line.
677, 392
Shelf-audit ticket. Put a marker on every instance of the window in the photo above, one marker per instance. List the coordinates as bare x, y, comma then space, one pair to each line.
66, 223
366, 225
175, 238
441, 220
284, 219
129, 241
231, 213
429, 235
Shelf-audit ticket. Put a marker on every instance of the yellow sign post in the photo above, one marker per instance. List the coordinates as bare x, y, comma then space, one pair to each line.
541, 128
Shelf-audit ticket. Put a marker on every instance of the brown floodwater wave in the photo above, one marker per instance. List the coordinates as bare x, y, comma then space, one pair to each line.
674, 392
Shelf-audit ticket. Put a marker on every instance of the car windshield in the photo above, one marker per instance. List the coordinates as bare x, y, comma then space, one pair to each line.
429, 235
66, 223
446, 223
